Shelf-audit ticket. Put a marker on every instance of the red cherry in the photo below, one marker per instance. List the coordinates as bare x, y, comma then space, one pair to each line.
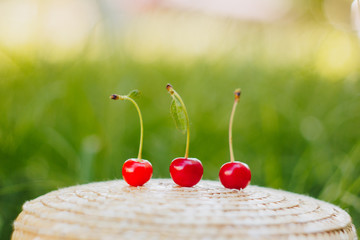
137, 173
235, 175
186, 172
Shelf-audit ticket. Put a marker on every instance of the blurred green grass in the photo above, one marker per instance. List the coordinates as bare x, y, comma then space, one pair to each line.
296, 127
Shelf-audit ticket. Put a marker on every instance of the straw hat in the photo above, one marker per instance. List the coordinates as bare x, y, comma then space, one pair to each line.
162, 210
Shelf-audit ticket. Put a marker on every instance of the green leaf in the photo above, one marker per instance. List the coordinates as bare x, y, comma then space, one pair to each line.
178, 114
134, 94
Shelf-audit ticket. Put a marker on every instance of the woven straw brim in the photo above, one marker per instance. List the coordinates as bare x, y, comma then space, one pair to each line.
162, 210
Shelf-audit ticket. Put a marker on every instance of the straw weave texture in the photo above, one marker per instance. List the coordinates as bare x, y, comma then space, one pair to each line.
162, 210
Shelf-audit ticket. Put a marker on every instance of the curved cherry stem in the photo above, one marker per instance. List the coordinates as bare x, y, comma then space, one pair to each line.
237, 98
175, 94
123, 97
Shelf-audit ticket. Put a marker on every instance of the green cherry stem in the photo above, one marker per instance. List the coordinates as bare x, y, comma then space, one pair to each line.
123, 97
175, 94
237, 98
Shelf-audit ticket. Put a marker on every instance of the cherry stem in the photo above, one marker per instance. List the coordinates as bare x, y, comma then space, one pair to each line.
237, 98
175, 94
123, 97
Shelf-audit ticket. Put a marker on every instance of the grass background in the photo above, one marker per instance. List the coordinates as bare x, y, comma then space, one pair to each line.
297, 124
